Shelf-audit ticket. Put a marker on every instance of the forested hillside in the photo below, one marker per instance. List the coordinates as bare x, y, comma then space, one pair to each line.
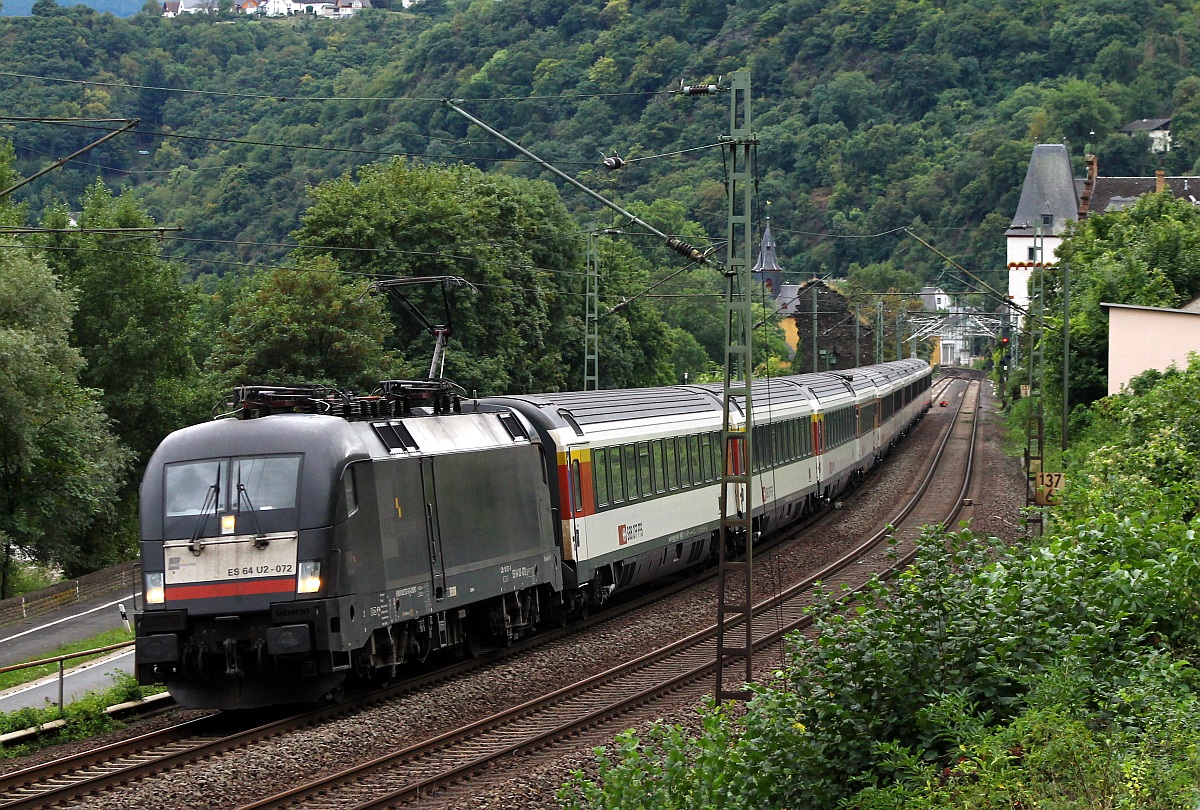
873, 115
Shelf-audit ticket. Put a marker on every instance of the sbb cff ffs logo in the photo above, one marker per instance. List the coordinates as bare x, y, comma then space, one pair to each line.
627, 533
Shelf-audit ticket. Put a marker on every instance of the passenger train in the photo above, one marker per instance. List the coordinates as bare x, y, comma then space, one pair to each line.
311, 536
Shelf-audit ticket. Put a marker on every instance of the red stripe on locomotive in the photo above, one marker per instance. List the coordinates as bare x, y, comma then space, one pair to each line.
245, 587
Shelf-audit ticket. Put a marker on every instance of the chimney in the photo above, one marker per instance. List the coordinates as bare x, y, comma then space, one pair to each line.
1160, 180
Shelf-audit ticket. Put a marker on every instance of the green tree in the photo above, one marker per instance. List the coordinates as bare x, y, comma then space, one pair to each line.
306, 324
1147, 255
133, 323
1080, 108
851, 98
511, 238
60, 466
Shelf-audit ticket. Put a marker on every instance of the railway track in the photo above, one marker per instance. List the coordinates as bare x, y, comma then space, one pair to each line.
103, 769
106, 769
442, 768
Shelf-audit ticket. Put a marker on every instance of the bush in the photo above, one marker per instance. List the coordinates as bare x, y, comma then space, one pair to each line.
947, 654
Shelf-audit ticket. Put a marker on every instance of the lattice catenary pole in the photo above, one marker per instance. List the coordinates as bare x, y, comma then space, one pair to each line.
736, 593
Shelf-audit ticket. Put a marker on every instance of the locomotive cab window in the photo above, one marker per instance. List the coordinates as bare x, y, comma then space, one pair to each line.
265, 482
195, 487
261, 485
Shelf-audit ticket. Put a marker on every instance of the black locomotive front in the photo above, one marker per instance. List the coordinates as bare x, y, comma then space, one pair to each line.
239, 547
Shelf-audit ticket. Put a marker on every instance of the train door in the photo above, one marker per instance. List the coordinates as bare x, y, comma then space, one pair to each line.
578, 499
818, 439
432, 529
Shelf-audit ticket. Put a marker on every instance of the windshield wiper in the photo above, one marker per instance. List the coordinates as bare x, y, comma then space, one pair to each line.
260, 539
213, 496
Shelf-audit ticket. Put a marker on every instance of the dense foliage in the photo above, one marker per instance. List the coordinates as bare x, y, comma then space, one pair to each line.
1146, 255
872, 115
1048, 673
147, 353
60, 465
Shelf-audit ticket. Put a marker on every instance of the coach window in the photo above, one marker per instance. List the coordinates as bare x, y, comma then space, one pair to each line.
616, 476
629, 462
577, 485
672, 446
600, 473
706, 456
644, 469
660, 466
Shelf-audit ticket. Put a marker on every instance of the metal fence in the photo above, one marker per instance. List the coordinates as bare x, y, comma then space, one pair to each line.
61, 661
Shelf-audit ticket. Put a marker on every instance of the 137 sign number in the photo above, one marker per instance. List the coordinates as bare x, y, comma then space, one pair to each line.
1048, 488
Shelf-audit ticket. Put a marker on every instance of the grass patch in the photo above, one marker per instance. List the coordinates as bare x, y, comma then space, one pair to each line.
20, 676
85, 717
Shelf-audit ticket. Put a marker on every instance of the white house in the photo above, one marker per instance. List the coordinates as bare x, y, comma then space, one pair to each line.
348, 8
1159, 130
173, 8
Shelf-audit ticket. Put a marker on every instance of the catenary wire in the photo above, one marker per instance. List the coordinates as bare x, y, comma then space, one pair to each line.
287, 98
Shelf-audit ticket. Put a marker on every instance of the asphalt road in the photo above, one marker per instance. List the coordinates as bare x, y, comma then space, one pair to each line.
38, 637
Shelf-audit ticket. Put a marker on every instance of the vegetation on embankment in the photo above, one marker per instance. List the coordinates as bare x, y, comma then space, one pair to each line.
81, 718
1053, 672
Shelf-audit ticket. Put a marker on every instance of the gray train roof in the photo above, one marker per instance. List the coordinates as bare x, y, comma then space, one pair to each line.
333, 438
602, 407
596, 408
885, 376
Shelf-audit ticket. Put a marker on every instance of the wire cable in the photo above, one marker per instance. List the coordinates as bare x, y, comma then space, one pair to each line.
287, 98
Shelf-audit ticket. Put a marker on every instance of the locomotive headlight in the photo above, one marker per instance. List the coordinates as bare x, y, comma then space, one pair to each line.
308, 576
153, 588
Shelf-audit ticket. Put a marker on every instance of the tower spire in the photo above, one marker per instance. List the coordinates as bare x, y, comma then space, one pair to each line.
766, 269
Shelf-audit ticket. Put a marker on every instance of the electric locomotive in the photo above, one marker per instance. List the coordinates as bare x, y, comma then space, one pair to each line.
317, 536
